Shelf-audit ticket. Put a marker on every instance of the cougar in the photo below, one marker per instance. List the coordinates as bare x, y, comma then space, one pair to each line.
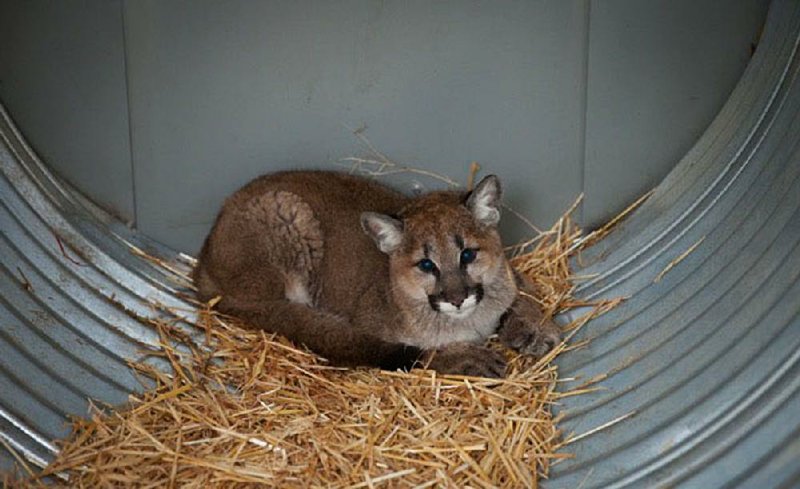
366, 276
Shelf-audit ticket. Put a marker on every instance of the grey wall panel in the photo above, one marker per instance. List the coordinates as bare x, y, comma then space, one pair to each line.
659, 72
62, 76
222, 92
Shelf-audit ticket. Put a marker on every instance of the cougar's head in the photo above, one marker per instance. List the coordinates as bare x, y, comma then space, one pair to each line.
445, 253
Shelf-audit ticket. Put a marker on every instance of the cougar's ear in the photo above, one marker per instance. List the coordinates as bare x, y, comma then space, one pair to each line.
484, 201
386, 231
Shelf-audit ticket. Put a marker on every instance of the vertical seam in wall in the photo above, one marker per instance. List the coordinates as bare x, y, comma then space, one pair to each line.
584, 102
128, 103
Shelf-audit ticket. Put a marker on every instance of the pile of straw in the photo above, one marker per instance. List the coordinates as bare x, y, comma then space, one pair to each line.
249, 408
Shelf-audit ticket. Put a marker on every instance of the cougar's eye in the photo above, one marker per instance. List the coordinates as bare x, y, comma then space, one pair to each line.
468, 256
426, 265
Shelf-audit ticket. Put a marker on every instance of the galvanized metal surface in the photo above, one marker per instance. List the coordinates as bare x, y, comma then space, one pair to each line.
72, 300
703, 359
703, 364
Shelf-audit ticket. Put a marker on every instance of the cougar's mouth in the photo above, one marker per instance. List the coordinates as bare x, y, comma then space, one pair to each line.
457, 311
460, 312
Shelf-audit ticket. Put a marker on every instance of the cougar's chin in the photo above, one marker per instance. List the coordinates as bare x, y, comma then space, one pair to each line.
461, 313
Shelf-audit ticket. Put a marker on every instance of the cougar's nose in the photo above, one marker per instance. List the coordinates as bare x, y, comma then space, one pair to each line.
456, 297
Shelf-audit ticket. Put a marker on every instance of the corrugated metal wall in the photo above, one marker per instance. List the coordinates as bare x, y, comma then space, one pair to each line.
703, 360
157, 110
71, 296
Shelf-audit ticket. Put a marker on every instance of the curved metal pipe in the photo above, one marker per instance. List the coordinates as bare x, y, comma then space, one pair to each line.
701, 363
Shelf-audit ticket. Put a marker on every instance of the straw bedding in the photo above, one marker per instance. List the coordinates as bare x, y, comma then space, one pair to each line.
247, 408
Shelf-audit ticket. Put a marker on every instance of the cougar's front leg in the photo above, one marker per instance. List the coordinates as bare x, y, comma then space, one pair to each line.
466, 359
524, 327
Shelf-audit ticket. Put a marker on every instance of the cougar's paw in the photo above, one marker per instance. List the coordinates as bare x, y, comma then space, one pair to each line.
468, 359
529, 335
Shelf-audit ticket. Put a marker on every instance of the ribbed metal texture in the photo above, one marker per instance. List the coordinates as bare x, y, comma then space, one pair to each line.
703, 360
702, 366
72, 296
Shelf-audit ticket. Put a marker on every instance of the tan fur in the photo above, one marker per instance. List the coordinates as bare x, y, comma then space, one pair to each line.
434, 220
287, 253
